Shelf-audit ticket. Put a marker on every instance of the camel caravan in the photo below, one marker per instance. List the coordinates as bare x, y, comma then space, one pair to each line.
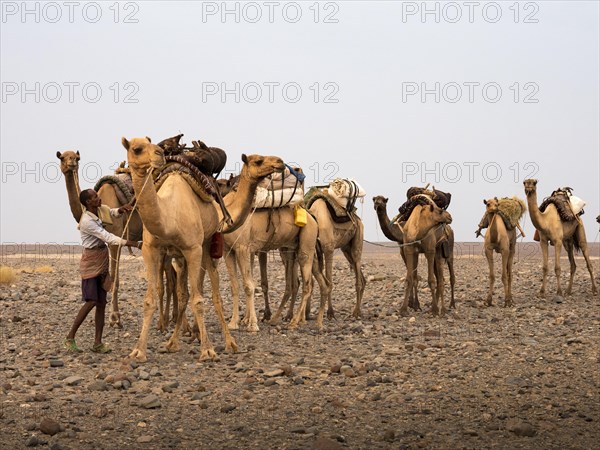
188, 219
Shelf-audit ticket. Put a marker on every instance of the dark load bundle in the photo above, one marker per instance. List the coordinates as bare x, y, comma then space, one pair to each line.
210, 160
422, 196
568, 206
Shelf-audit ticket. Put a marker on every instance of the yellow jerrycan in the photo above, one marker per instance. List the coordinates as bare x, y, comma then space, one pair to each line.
300, 217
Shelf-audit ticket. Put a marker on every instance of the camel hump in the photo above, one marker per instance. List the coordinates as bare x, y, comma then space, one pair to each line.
568, 206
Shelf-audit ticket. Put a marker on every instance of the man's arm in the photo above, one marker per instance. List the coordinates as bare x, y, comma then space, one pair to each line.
92, 228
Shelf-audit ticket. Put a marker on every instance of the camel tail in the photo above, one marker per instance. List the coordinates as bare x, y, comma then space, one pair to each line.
320, 257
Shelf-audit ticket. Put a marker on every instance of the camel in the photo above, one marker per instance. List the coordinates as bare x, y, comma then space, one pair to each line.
175, 218
501, 240
346, 236
431, 240
255, 237
69, 167
422, 220
558, 233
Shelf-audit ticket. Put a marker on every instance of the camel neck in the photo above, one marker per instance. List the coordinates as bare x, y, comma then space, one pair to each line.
393, 233
73, 191
239, 202
147, 202
534, 211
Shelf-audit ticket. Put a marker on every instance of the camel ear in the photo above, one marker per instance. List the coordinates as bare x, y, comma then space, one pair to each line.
496, 198
386, 199
244, 158
58, 155
485, 202
230, 176
78, 153
125, 143
148, 139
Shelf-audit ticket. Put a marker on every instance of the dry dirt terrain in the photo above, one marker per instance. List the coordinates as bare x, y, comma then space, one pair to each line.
481, 377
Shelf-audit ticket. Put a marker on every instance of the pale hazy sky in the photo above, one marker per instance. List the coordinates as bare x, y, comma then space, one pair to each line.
335, 87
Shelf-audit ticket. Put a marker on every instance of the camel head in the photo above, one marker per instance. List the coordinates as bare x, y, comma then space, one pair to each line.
69, 161
256, 167
142, 154
491, 205
226, 185
439, 215
530, 186
380, 202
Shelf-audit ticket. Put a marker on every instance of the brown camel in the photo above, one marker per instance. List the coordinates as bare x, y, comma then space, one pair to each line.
70, 166
558, 233
177, 219
422, 220
346, 236
254, 237
434, 239
501, 240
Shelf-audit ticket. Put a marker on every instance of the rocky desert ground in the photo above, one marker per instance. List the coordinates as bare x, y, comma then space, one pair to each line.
481, 377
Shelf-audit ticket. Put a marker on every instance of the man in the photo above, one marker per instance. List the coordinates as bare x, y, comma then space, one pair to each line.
95, 278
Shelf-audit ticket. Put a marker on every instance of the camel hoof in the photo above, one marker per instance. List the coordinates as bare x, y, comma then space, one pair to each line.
330, 314
208, 354
266, 316
404, 313
233, 326
173, 346
253, 328
138, 355
293, 324
356, 314
288, 317
115, 320
231, 346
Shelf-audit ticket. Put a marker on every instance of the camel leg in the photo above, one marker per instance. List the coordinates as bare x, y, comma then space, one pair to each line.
152, 262
231, 264
180, 265
264, 284
322, 282
450, 262
586, 255
328, 255
544, 246
287, 294
305, 260
244, 261
115, 315
210, 267
162, 320
290, 263
569, 248
432, 282
193, 259
511, 255
353, 254
557, 251
505, 252
411, 260
489, 254
439, 274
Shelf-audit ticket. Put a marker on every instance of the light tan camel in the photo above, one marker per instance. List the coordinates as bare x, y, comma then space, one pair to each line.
500, 240
433, 239
348, 237
421, 221
255, 236
558, 233
177, 219
69, 167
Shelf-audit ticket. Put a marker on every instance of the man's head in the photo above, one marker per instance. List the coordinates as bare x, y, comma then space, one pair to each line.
89, 198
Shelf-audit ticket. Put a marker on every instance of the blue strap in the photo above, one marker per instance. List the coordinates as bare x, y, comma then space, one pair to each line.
299, 176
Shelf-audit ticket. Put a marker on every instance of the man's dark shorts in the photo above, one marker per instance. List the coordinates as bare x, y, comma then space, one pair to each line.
91, 289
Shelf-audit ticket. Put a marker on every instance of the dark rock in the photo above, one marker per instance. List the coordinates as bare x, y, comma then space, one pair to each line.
49, 426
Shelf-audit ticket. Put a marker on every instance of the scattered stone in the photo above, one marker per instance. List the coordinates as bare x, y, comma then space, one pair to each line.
228, 408
49, 426
273, 373
324, 443
389, 436
98, 386
150, 402
73, 380
144, 439
521, 429
33, 441
56, 363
